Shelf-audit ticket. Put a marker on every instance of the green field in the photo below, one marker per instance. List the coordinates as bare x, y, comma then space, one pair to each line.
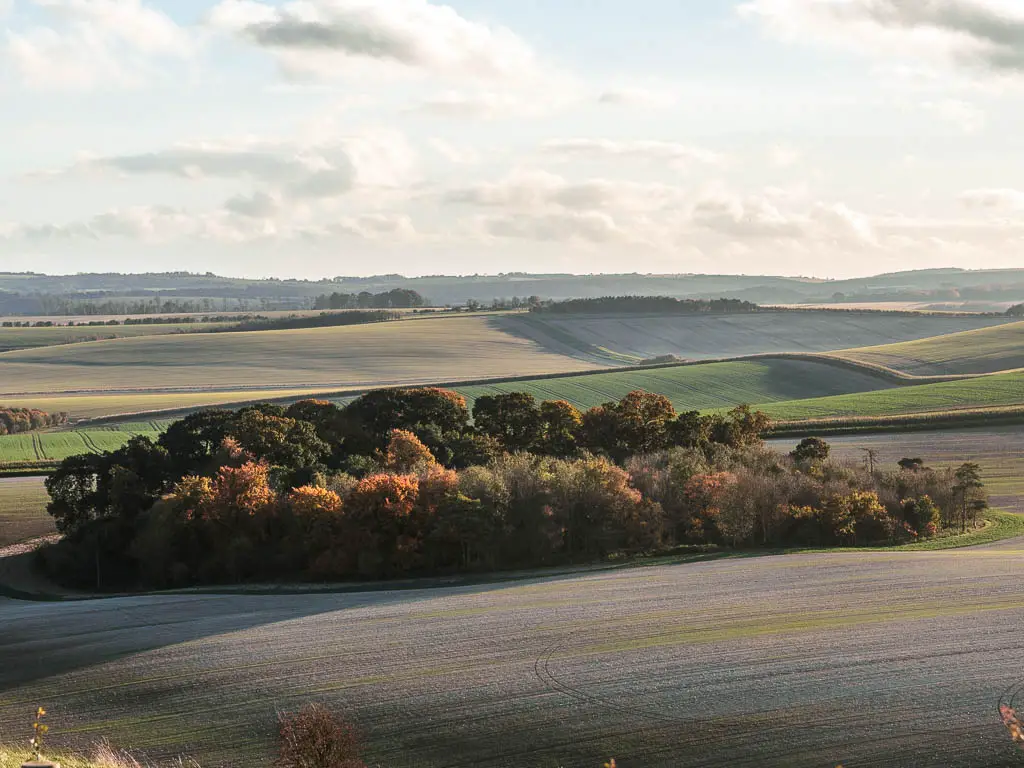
625, 338
999, 391
23, 510
988, 350
54, 446
699, 387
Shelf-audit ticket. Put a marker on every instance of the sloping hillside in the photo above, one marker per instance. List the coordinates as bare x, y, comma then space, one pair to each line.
624, 338
987, 350
699, 387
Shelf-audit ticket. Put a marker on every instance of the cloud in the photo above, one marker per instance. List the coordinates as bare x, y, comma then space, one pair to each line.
993, 199
676, 155
454, 154
94, 43
259, 205
375, 159
963, 115
627, 96
757, 217
969, 33
480, 105
565, 226
783, 157
537, 190
327, 37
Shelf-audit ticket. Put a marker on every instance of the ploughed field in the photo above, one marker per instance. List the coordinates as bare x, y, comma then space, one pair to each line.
627, 338
869, 659
23, 513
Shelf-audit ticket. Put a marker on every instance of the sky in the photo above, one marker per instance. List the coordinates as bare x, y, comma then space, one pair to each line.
316, 138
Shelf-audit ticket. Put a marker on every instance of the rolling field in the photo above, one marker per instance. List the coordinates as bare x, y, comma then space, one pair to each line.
29, 338
625, 338
1002, 390
699, 387
864, 659
414, 351
23, 510
983, 351
998, 450
54, 446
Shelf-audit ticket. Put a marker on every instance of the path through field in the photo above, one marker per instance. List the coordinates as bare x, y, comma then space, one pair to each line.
887, 659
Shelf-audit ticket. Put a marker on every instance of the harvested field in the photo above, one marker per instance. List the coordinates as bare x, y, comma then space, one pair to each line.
640, 337
1001, 390
414, 351
882, 659
699, 387
29, 338
988, 350
23, 510
998, 450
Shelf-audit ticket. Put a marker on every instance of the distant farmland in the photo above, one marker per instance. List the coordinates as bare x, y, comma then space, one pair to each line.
404, 352
30, 338
983, 351
699, 387
621, 338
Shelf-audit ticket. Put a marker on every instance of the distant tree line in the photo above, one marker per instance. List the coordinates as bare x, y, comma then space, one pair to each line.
398, 298
15, 421
661, 305
1016, 310
405, 482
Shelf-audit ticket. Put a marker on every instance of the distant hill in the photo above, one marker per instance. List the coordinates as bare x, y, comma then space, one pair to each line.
31, 293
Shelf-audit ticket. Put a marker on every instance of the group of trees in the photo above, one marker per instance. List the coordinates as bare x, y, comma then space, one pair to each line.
404, 481
397, 298
14, 421
660, 305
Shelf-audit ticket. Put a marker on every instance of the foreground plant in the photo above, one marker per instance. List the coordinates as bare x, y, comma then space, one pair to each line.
39, 731
317, 738
1012, 723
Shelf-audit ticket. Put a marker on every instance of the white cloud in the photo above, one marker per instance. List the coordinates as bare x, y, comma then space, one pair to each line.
562, 226
978, 34
755, 217
629, 96
783, 157
965, 116
479, 105
327, 37
538, 190
373, 159
994, 199
94, 43
454, 154
674, 154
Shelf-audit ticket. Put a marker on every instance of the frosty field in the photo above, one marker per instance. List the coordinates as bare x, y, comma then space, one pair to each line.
805, 660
